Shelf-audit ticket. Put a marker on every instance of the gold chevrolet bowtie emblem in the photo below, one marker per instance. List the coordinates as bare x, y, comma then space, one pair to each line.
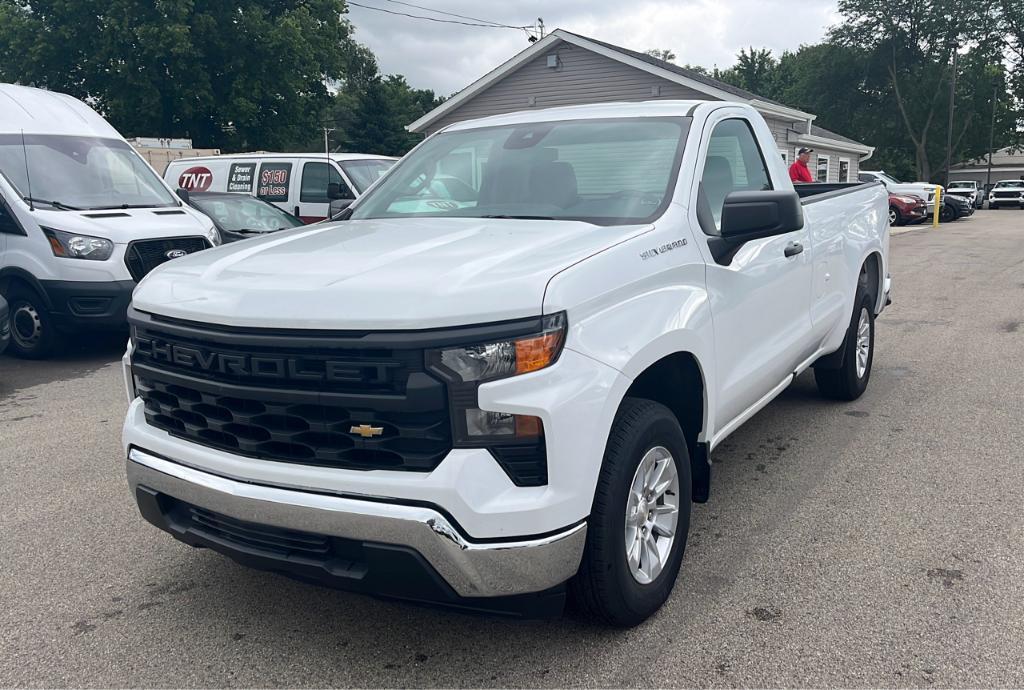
366, 431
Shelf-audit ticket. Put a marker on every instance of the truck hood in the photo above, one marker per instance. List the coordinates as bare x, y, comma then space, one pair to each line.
122, 226
377, 273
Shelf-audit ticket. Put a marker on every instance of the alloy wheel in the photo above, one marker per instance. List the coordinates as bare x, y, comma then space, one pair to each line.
652, 514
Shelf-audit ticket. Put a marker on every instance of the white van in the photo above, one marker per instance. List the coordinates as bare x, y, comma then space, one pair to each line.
82, 219
297, 183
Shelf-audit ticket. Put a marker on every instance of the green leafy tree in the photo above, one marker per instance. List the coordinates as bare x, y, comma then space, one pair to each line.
385, 107
754, 71
244, 74
909, 46
661, 54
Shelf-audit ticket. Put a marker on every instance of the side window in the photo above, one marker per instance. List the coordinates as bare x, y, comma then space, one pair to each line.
273, 181
315, 178
734, 163
8, 223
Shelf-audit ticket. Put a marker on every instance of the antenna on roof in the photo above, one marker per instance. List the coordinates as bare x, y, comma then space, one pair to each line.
28, 177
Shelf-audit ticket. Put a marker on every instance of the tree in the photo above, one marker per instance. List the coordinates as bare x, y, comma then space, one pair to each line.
910, 44
754, 71
244, 74
662, 54
384, 108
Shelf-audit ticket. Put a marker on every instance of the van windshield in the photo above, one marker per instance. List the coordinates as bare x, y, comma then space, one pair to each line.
601, 171
80, 172
365, 172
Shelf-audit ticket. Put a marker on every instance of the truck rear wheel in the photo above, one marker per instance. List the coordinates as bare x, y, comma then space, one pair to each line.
850, 380
32, 329
640, 519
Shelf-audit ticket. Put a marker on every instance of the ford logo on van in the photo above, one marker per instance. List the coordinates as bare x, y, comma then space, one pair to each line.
175, 253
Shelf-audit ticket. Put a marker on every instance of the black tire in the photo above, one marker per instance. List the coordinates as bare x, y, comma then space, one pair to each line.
33, 334
895, 217
993, 207
846, 383
946, 214
605, 587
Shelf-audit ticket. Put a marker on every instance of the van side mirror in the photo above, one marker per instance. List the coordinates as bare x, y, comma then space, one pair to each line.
748, 216
337, 206
182, 194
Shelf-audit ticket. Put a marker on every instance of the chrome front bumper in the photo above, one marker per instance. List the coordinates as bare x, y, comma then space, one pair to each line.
472, 569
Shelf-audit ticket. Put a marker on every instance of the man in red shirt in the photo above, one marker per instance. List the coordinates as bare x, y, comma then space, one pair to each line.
799, 172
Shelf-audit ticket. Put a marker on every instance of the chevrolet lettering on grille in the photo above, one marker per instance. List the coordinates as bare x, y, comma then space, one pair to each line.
262, 366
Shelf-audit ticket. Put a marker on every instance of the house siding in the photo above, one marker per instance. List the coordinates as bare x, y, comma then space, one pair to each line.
581, 77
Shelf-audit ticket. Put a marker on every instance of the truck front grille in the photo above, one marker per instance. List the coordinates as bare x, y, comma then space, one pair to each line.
323, 399
142, 256
1007, 195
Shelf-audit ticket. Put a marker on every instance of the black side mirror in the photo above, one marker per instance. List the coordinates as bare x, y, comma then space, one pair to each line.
750, 216
182, 194
337, 206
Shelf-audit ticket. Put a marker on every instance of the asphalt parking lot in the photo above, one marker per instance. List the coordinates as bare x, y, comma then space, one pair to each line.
874, 543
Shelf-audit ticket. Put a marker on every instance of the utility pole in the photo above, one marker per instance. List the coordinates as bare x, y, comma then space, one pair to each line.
952, 105
327, 145
991, 136
540, 26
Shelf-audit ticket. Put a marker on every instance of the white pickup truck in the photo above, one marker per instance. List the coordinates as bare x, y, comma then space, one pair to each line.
499, 382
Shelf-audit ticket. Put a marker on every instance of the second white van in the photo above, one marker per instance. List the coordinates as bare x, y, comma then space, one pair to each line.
298, 183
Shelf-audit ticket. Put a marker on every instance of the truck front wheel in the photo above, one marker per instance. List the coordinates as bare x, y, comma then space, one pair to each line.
640, 519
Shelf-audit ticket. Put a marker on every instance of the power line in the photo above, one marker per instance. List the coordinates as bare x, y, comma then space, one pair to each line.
453, 14
436, 19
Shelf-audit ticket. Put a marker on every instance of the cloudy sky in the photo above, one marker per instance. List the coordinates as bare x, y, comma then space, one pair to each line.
447, 57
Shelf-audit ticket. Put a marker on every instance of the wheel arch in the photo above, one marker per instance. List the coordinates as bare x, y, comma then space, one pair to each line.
677, 381
13, 275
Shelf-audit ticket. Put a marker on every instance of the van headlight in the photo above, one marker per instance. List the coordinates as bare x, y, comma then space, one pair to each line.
71, 246
213, 234
465, 367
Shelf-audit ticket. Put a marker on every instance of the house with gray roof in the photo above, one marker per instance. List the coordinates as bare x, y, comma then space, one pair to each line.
565, 68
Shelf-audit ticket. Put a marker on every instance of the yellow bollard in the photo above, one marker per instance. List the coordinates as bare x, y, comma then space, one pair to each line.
938, 200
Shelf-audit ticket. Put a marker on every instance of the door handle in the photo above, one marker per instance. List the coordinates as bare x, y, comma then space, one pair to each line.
793, 248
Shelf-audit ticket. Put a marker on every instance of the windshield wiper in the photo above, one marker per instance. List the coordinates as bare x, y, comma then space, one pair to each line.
505, 217
56, 204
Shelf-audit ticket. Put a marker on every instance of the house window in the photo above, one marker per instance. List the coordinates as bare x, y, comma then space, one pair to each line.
822, 169
844, 169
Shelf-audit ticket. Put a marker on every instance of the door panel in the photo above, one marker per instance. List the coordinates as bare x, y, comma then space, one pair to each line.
314, 203
760, 301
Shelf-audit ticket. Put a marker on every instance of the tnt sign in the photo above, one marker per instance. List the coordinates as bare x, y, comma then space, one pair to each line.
196, 179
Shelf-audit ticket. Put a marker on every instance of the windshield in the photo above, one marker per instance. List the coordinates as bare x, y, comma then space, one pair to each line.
1009, 183
961, 185
607, 172
366, 172
81, 172
889, 178
241, 213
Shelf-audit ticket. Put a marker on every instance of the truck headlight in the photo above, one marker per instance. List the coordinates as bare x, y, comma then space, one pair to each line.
71, 246
464, 368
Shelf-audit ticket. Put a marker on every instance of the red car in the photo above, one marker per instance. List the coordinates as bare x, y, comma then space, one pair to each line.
906, 208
